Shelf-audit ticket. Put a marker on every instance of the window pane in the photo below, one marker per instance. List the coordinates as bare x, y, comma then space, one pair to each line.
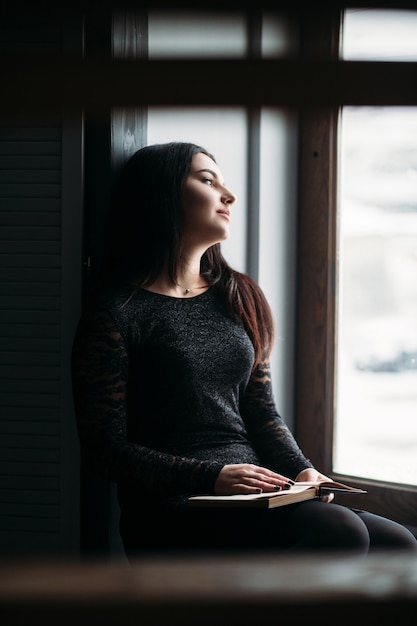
380, 35
377, 331
376, 365
202, 34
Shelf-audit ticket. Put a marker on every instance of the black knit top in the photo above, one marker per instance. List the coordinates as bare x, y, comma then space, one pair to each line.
165, 395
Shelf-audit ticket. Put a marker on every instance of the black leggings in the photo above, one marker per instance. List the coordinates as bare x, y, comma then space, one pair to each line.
303, 527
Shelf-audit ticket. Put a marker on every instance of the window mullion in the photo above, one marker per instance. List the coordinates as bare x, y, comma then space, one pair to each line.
317, 256
254, 51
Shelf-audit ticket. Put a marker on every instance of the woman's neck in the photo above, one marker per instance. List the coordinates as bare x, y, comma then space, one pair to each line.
189, 282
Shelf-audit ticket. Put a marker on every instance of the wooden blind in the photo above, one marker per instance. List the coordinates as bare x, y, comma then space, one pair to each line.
30, 303
30, 311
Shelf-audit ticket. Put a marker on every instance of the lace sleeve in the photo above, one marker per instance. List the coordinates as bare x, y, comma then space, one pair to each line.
272, 439
100, 366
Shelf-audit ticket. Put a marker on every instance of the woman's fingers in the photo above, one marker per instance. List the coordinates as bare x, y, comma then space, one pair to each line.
266, 484
265, 479
247, 478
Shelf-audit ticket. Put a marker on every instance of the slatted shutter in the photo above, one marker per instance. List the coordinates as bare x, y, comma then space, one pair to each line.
34, 399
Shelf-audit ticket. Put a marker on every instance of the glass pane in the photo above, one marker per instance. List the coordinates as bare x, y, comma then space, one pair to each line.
199, 34
380, 35
376, 365
376, 432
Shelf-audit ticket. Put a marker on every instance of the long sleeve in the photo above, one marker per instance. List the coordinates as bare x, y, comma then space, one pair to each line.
270, 436
100, 375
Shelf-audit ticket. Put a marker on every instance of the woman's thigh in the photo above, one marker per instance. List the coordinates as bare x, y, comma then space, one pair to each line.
386, 534
312, 525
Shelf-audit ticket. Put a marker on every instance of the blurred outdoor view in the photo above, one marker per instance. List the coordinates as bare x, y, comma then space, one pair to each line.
376, 375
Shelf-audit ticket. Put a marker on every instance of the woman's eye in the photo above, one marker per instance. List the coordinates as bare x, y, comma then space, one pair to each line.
209, 181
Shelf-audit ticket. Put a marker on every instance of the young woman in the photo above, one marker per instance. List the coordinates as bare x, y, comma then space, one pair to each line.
171, 378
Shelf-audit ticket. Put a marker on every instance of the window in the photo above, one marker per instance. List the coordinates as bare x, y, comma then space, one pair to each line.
356, 285
376, 434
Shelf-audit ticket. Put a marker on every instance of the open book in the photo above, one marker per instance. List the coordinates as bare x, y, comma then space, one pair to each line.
269, 500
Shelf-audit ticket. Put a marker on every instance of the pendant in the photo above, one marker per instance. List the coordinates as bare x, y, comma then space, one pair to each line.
187, 291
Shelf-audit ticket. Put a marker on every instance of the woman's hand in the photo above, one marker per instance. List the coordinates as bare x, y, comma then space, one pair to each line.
248, 478
312, 475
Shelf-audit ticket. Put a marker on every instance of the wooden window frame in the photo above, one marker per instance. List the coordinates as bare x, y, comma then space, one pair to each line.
317, 285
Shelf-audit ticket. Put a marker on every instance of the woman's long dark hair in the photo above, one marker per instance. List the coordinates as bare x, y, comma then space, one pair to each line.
144, 231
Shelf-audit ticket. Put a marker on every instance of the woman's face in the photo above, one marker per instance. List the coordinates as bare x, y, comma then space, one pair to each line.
206, 204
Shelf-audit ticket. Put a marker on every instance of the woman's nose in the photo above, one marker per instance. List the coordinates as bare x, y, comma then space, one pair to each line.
228, 197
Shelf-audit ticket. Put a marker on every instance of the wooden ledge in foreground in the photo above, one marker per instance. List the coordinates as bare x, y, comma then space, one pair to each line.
210, 591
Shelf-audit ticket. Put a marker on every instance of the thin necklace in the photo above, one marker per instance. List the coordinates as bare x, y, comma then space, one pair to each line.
188, 289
